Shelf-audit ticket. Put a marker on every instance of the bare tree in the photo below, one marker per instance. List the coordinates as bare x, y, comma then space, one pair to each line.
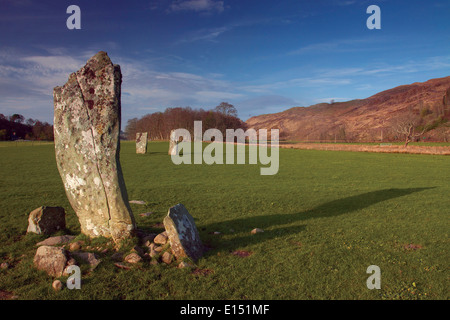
410, 127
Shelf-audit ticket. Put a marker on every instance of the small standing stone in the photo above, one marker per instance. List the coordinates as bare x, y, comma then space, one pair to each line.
183, 235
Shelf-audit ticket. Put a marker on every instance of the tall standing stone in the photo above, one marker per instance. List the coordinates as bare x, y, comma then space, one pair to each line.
141, 142
182, 233
172, 144
86, 128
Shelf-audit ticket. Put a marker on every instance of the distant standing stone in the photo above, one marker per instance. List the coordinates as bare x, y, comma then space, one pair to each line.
141, 142
87, 146
46, 220
172, 144
182, 232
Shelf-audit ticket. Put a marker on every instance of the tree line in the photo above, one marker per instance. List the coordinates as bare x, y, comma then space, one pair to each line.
159, 124
16, 127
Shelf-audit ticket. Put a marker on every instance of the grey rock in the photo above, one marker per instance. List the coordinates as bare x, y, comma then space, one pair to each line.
182, 232
46, 220
87, 146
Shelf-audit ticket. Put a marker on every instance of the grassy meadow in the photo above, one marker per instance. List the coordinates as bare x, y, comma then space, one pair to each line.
327, 216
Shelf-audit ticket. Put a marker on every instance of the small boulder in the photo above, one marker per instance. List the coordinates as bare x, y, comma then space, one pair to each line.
46, 220
50, 259
75, 246
161, 238
167, 257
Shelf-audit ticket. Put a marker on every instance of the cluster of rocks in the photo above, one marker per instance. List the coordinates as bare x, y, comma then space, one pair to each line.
154, 249
180, 243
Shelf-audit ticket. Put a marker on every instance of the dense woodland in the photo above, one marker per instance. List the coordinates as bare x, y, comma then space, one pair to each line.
15, 127
159, 124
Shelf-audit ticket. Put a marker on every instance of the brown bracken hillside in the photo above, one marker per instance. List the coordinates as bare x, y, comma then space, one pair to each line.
371, 119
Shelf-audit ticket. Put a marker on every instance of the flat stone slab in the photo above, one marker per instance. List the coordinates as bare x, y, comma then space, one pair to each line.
182, 232
55, 241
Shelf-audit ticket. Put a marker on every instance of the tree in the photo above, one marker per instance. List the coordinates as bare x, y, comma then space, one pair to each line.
17, 118
409, 127
226, 109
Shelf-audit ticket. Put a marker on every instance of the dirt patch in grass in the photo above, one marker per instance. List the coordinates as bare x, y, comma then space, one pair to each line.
242, 253
412, 247
202, 272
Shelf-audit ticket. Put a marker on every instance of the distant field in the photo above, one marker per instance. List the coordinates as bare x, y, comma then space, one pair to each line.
326, 217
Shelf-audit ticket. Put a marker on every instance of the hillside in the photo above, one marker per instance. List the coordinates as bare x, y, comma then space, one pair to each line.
370, 119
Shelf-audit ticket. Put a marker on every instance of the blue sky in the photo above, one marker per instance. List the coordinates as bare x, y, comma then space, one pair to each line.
261, 56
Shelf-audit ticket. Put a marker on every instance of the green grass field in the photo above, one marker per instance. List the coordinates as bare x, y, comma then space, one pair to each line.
326, 216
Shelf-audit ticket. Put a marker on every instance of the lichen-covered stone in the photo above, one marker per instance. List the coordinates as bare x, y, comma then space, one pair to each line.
172, 144
141, 142
182, 232
46, 220
86, 128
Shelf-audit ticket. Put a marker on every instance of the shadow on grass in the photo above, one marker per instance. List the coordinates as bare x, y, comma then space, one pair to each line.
328, 209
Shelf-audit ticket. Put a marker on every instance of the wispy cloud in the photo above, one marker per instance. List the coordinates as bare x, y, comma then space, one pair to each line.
340, 45
202, 6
